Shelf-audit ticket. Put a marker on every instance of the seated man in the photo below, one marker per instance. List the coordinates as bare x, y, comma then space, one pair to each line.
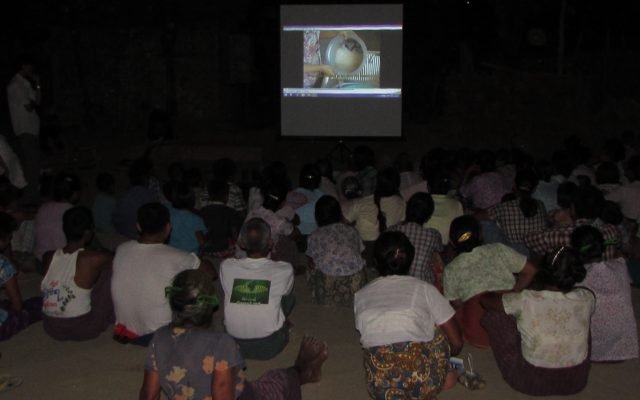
257, 295
76, 287
142, 269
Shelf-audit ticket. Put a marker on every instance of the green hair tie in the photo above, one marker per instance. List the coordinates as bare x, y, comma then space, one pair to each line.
171, 290
611, 242
585, 248
211, 300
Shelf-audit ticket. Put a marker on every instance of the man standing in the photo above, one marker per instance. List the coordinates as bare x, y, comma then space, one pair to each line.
23, 96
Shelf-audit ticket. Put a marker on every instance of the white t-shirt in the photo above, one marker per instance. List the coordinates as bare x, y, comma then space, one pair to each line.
397, 309
364, 212
253, 290
140, 274
554, 326
61, 297
19, 94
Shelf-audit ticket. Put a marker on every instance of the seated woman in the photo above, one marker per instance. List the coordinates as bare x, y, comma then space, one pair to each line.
335, 251
540, 338
477, 269
614, 334
406, 327
188, 360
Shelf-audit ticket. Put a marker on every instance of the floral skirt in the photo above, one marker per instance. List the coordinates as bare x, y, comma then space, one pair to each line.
334, 290
408, 370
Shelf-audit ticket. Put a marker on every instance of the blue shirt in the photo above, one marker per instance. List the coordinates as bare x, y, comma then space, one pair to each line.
184, 225
103, 208
307, 212
7, 271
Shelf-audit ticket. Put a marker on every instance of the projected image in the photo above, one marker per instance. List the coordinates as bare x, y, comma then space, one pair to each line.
344, 59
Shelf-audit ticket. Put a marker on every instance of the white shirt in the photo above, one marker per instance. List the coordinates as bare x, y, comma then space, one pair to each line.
61, 297
11, 160
140, 274
20, 93
397, 309
628, 197
253, 289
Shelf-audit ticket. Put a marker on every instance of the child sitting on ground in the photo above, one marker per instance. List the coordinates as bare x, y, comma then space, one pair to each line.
187, 228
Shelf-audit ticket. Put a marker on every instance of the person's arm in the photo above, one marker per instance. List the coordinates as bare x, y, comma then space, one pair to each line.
208, 268
150, 389
13, 293
456, 304
525, 276
326, 70
454, 334
492, 301
223, 384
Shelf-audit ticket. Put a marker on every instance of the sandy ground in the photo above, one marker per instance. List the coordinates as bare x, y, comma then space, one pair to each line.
104, 369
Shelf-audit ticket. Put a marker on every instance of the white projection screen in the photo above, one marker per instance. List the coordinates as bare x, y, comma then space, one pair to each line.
341, 71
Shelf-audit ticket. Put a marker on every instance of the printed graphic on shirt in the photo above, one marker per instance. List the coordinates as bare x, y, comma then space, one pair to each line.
250, 291
56, 299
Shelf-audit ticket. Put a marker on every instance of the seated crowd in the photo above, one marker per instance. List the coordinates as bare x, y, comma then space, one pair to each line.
533, 260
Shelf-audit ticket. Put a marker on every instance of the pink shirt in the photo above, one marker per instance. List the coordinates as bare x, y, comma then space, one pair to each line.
49, 234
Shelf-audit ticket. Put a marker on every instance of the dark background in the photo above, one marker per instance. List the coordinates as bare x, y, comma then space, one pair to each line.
470, 70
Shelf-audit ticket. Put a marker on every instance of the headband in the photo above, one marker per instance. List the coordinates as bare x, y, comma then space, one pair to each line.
211, 300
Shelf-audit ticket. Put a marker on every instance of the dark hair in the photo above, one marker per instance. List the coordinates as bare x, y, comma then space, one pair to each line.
309, 177
393, 253
193, 176
185, 299
363, 157
544, 170
351, 187
182, 196
275, 174
588, 241
140, 171
218, 189
486, 160
274, 195
152, 218
8, 224
614, 149
105, 182
65, 185
419, 208
175, 171
325, 168
440, 183
562, 163
607, 173
76, 221
633, 166
564, 194
387, 185
464, 233
8, 192
255, 235
224, 169
611, 213
588, 202
327, 211
526, 182
562, 269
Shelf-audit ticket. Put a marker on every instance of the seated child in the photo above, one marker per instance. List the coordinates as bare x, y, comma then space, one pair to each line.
187, 228
222, 222
104, 204
186, 359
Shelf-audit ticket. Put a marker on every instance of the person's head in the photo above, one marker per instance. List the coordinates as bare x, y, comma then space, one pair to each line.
66, 187
153, 220
486, 160
613, 150
275, 196
183, 197
526, 183
393, 253
8, 193
464, 233
193, 177
363, 157
562, 163
25, 66
255, 238
419, 208
140, 172
106, 183
351, 187
8, 225
587, 202
192, 298
440, 183
611, 213
588, 241
77, 224
224, 169
328, 211
387, 184
607, 173
633, 168
309, 177
325, 168
403, 162
218, 190
565, 193
175, 171
562, 269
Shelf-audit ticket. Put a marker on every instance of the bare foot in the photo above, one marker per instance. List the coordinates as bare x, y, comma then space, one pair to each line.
450, 380
311, 356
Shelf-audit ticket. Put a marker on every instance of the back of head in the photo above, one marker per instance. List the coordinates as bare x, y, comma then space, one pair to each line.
325, 168
486, 160
587, 202
611, 213
464, 233
140, 172
218, 190
403, 162
224, 169
193, 177
607, 173
183, 197
255, 236
393, 253
8, 193
614, 150
105, 182
76, 221
275, 174
544, 170
175, 171
309, 177
8, 225
439, 183
419, 208
351, 187
274, 196
588, 241
565, 193
327, 211
562, 163
192, 299
633, 168
65, 185
526, 182
152, 218
562, 269
363, 157
387, 184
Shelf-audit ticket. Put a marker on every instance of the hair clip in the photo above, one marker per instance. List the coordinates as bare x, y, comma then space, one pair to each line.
553, 262
524, 188
464, 237
171, 290
611, 242
273, 196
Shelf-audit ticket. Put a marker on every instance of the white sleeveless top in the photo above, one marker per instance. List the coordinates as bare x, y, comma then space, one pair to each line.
61, 297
